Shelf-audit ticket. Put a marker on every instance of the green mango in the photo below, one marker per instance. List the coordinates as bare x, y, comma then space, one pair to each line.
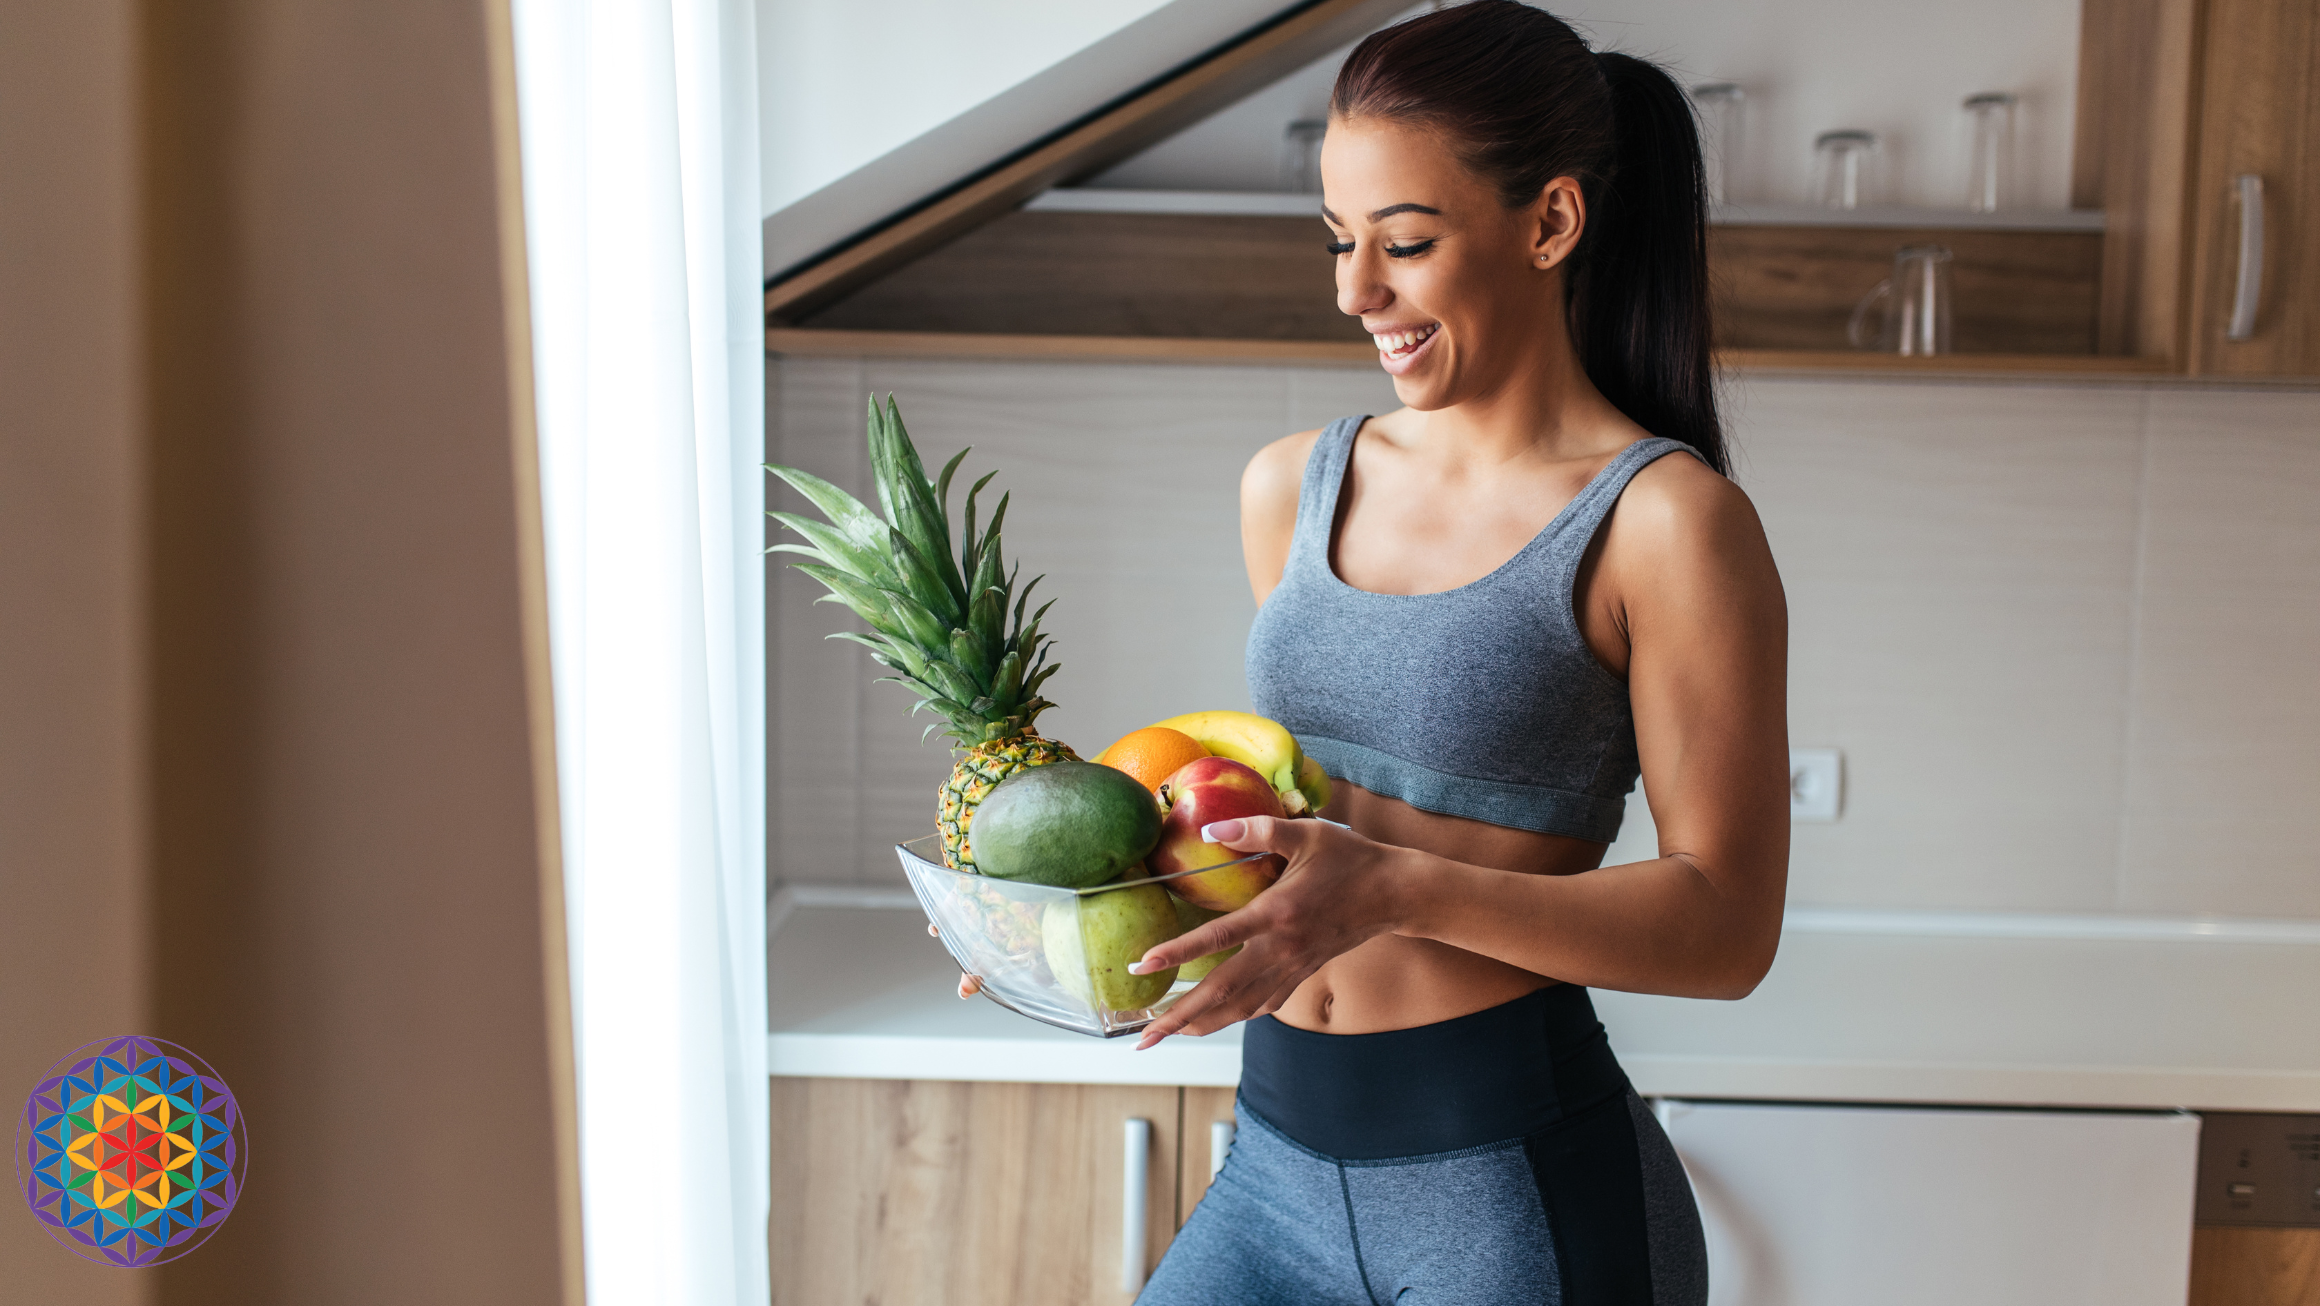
1092, 940
1188, 919
1072, 825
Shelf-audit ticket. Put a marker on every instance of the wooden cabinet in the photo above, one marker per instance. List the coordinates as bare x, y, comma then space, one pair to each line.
924, 1193
1208, 1121
2255, 264
2255, 1267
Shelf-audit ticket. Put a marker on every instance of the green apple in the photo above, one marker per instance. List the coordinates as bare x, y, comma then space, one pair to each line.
1188, 919
1092, 939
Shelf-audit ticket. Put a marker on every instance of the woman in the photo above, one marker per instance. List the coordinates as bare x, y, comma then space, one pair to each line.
1484, 613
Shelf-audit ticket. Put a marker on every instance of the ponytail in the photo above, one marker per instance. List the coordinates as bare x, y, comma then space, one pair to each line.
1525, 102
1639, 280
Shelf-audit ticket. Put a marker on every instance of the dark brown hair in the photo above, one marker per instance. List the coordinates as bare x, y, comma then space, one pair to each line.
1524, 100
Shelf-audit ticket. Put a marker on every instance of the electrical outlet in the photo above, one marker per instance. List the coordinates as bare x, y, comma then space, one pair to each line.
2259, 1170
1816, 784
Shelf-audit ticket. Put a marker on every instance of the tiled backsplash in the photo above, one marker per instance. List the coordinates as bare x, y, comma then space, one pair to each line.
2068, 636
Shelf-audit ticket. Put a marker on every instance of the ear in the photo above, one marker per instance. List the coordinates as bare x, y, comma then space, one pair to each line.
1558, 219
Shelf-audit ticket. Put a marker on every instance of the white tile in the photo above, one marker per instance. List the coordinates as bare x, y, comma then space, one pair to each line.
1321, 395
2224, 771
1959, 564
814, 419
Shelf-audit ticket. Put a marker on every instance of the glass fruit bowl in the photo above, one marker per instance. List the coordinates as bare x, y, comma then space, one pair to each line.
1058, 955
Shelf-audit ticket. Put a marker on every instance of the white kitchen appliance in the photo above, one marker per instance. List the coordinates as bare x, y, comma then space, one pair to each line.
1813, 1205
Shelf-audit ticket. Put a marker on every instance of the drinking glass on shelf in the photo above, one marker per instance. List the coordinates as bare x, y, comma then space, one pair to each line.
1301, 156
1718, 104
1845, 169
1916, 303
1990, 162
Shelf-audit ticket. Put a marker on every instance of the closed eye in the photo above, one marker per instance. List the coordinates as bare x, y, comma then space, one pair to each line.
1340, 247
1409, 251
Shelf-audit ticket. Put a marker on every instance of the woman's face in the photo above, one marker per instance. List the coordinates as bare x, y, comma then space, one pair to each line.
1459, 290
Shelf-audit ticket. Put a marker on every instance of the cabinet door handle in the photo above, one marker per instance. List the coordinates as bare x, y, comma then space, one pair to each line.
1220, 1136
2249, 287
1133, 1204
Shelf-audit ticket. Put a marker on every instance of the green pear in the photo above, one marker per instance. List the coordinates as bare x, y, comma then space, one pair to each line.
1092, 940
1188, 919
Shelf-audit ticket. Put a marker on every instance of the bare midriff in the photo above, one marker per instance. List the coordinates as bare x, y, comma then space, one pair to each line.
1393, 982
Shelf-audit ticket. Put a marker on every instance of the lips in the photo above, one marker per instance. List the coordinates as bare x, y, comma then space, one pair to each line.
1400, 350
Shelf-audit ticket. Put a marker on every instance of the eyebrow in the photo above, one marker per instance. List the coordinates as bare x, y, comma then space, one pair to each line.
1386, 212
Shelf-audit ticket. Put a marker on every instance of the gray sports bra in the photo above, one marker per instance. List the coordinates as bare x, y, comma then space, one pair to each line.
1483, 701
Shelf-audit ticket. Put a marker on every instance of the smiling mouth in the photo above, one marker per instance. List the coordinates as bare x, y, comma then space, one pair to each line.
1399, 344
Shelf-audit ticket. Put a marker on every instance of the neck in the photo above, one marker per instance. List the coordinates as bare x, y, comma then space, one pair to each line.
1538, 403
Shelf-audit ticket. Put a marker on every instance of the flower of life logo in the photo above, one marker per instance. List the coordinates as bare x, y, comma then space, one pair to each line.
131, 1151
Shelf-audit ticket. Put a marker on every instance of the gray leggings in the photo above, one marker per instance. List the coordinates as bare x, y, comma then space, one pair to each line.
1588, 1208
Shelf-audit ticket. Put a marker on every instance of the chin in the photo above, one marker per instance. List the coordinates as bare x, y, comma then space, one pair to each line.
1424, 394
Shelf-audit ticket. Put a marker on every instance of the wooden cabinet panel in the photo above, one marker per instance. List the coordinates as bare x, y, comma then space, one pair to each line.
2014, 292
2255, 1267
920, 1193
2260, 114
1204, 1108
2137, 67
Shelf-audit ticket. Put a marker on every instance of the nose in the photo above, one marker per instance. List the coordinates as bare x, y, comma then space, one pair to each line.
1360, 289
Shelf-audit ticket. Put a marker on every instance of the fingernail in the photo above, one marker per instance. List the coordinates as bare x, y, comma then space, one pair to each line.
1141, 967
1223, 831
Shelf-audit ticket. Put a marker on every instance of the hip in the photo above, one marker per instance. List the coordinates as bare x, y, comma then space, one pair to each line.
1507, 1071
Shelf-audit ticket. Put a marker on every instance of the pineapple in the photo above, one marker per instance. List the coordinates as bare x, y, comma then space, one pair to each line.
938, 620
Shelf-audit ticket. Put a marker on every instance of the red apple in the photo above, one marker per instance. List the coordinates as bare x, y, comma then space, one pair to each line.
1203, 791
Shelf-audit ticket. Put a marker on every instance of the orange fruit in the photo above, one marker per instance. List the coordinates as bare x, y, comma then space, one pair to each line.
1152, 754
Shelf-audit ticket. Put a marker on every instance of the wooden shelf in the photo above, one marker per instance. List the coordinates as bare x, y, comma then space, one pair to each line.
1238, 277
807, 342
1283, 204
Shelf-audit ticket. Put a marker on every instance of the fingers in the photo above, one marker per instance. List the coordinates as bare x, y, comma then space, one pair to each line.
1217, 1001
1244, 834
934, 929
1215, 936
969, 986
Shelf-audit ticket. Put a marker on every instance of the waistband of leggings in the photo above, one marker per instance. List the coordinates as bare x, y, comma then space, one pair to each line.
1504, 1072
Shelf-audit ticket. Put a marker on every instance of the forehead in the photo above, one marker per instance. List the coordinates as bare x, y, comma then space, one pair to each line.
1369, 164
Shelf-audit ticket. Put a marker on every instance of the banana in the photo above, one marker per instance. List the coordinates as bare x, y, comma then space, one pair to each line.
1266, 746
1313, 783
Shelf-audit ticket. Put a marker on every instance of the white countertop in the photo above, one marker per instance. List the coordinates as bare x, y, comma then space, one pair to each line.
1871, 1007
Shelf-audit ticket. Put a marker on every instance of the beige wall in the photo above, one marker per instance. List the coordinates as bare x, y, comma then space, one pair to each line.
266, 764
2065, 634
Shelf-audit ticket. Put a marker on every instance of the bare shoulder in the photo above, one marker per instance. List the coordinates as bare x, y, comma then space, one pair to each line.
1273, 477
1677, 504
1269, 508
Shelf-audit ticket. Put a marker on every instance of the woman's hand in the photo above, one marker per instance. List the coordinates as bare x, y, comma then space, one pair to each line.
1338, 891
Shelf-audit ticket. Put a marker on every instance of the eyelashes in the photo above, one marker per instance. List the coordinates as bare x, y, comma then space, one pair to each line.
1392, 251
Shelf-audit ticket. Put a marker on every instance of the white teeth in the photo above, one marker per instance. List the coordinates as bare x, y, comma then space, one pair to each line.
1401, 342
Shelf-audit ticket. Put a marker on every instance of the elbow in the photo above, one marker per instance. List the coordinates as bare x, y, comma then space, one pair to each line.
1742, 971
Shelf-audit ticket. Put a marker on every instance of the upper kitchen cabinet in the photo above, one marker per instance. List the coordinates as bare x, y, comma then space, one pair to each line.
1170, 222
2255, 264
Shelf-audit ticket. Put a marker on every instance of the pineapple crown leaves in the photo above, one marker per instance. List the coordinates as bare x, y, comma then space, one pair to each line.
938, 619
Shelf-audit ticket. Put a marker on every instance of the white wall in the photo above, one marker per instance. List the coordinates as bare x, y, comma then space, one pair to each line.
1808, 66
2064, 633
870, 109
841, 84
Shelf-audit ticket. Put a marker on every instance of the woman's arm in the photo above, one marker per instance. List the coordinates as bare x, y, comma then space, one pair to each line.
1690, 577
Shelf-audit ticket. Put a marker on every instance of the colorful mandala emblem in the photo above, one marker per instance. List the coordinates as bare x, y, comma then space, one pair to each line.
131, 1151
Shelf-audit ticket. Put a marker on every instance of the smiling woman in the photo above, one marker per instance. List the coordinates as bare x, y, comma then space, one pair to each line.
1486, 614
